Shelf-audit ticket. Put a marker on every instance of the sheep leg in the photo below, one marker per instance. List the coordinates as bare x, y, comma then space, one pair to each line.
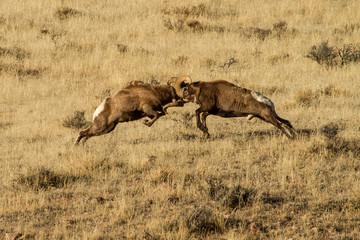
98, 127
200, 124
150, 112
270, 118
288, 127
178, 103
203, 119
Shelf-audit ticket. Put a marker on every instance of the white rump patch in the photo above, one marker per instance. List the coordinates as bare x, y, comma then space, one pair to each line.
261, 98
99, 109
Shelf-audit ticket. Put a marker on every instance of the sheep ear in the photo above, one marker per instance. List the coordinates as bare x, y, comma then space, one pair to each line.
171, 81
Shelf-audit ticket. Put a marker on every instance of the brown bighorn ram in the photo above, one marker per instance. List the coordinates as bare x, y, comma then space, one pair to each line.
225, 99
135, 101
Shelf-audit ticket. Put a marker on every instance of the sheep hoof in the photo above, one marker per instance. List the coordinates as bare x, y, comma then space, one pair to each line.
147, 123
206, 135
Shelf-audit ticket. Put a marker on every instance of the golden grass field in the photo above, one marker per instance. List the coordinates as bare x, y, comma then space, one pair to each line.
60, 59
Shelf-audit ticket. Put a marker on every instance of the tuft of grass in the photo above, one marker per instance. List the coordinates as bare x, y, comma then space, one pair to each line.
202, 221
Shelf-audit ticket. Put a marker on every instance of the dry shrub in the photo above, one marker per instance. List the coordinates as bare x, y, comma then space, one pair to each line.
43, 179
66, 12
330, 56
349, 53
323, 54
76, 121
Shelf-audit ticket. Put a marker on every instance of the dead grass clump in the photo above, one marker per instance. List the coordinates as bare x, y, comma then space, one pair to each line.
277, 58
195, 25
306, 98
330, 91
331, 129
202, 221
182, 24
66, 12
208, 63
163, 176
338, 146
17, 52
258, 33
5, 125
180, 60
196, 11
271, 199
238, 197
347, 29
279, 30
28, 72
44, 179
105, 165
189, 179
217, 190
76, 121
229, 62
122, 48
234, 197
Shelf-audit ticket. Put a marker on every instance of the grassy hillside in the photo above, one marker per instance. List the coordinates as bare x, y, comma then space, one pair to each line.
60, 59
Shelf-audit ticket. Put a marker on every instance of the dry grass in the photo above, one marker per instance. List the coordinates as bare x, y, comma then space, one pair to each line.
59, 60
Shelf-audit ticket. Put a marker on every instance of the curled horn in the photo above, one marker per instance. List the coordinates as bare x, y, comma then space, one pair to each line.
178, 83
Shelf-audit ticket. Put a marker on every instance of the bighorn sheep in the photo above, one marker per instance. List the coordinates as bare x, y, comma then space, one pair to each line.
225, 99
135, 101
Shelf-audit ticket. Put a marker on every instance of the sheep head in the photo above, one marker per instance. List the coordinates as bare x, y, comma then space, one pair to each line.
180, 84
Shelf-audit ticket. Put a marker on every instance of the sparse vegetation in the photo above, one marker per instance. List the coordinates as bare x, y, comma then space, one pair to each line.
59, 60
